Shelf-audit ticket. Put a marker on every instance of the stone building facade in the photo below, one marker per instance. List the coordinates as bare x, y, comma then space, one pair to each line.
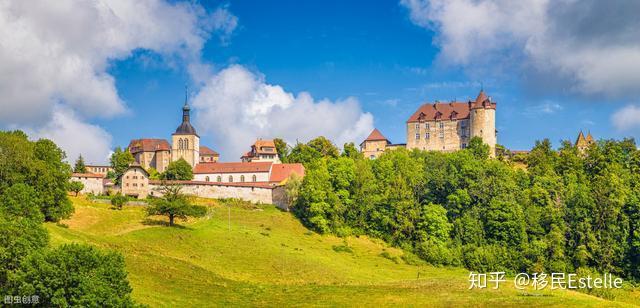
99, 169
583, 143
151, 153
135, 182
443, 127
93, 183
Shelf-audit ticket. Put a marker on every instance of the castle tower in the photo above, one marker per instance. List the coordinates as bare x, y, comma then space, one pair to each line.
185, 141
483, 121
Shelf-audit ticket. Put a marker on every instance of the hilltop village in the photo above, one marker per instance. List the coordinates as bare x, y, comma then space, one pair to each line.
259, 175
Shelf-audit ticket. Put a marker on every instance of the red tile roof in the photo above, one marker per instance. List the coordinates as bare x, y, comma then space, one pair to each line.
280, 172
260, 146
452, 110
203, 168
148, 145
376, 135
87, 175
207, 151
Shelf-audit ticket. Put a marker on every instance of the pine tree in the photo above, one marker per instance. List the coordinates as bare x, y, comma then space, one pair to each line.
80, 166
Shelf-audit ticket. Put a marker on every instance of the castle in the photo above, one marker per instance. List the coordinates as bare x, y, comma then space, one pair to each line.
442, 127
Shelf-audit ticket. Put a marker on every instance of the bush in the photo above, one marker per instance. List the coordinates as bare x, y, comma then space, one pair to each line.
118, 201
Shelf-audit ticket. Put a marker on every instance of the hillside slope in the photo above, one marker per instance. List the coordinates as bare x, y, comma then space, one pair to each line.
266, 257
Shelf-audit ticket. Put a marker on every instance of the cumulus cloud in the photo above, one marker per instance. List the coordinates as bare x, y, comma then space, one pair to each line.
237, 106
56, 54
75, 136
588, 47
626, 118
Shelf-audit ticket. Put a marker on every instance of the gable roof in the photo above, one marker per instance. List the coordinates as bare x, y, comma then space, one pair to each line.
207, 151
452, 110
280, 172
203, 168
376, 135
430, 112
260, 144
148, 145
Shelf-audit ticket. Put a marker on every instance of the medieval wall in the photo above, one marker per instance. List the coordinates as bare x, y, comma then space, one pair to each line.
251, 194
92, 185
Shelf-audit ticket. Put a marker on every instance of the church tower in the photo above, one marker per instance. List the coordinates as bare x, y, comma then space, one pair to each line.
185, 141
483, 121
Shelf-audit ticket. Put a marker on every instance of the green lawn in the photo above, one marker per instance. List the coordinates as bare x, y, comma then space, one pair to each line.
268, 258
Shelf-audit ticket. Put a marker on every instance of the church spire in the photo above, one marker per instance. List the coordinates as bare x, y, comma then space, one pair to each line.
185, 128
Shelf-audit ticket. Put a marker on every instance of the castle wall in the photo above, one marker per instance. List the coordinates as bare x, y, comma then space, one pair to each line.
445, 135
248, 177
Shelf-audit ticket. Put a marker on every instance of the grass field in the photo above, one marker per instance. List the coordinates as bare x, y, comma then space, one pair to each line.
265, 257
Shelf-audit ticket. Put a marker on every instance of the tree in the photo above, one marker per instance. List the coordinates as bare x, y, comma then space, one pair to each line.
174, 204
76, 187
74, 275
178, 170
120, 161
40, 165
118, 201
292, 189
79, 166
303, 154
282, 148
324, 146
478, 148
349, 150
153, 174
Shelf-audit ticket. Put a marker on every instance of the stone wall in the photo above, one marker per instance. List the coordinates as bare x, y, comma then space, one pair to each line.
92, 185
373, 149
483, 125
218, 191
237, 177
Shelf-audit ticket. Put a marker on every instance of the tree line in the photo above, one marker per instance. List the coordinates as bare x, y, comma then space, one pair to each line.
562, 211
33, 185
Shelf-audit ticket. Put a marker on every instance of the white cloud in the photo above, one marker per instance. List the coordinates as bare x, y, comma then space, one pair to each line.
237, 106
224, 23
544, 108
588, 47
626, 118
75, 136
55, 55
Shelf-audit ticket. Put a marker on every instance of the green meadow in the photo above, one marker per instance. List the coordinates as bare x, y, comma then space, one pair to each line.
244, 255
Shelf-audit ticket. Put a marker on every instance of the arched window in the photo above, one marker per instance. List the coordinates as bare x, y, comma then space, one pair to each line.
219, 179
242, 178
254, 178
206, 178
186, 144
231, 179
180, 144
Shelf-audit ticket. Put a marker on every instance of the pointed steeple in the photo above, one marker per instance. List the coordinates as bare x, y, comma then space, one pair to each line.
186, 128
589, 137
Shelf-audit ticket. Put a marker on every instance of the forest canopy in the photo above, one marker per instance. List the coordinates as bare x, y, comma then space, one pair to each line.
564, 211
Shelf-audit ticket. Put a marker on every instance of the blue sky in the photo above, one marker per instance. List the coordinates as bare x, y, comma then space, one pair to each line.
387, 56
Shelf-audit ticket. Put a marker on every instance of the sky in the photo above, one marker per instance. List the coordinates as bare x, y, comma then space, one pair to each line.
94, 74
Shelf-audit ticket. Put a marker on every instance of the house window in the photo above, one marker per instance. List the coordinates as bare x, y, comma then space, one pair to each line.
231, 179
135, 184
441, 135
219, 179
464, 145
254, 178
417, 136
186, 144
441, 125
206, 178
242, 178
417, 126
426, 125
427, 135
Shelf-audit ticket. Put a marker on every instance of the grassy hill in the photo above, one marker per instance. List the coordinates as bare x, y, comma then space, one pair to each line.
266, 257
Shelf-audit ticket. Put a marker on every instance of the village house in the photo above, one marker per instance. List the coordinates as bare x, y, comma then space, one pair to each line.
262, 151
93, 182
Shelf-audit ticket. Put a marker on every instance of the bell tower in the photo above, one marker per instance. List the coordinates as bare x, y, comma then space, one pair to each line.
185, 141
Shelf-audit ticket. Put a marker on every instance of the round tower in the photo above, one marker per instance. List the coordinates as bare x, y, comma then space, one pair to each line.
483, 121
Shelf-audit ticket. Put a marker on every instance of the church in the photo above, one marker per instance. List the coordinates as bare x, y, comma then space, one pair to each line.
444, 127
185, 144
